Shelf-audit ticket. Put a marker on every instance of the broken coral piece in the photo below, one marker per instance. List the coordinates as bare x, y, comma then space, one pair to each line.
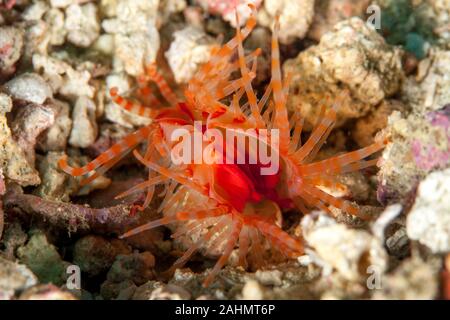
430, 89
295, 17
414, 278
337, 247
136, 39
84, 126
29, 87
95, 254
14, 161
82, 24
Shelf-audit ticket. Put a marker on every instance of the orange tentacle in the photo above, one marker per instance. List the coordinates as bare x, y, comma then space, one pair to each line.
124, 145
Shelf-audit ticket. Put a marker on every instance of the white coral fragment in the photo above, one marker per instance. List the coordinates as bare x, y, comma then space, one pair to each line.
30, 87
55, 138
82, 24
187, 52
135, 35
430, 90
295, 17
63, 78
13, 160
349, 251
84, 129
429, 219
55, 19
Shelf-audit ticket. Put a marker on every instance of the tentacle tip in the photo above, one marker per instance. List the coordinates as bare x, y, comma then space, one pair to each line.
62, 162
168, 273
206, 283
113, 91
84, 182
150, 67
363, 216
356, 212
238, 22
277, 20
141, 78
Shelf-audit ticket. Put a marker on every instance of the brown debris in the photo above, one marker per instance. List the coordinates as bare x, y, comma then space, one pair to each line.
74, 217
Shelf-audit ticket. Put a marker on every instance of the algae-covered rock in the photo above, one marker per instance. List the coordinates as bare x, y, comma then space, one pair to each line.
136, 267
227, 9
84, 128
43, 259
127, 273
82, 24
95, 254
64, 79
13, 238
121, 291
407, 23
